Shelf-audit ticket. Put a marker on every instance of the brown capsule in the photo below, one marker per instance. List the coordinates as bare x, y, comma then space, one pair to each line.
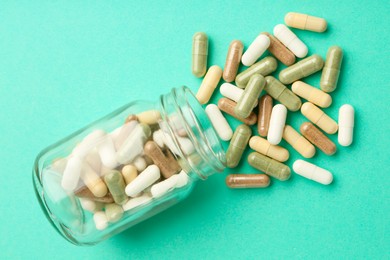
280, 51
233, 60
167, 164
131, 118
247, 181
84, 192
265, 109
227, 106
316, 137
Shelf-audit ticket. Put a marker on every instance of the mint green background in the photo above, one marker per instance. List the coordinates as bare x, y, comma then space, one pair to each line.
64, 64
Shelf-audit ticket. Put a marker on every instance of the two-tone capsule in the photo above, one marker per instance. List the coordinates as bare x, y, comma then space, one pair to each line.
290, 40
269, 166
209, 83
263, 67
331, 71
199, 54
319, 118
233, 59
301, 69
237, 145
255, 50
281, 93
305, 22
250, 96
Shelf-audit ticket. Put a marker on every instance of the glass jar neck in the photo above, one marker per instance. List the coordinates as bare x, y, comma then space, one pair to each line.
181, 109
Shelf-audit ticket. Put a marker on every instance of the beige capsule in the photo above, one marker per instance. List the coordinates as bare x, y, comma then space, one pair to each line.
298, 142
312, 94
280, 51
226, 105
209, 83
93, 181
129, 173
319, 118
167, 164
233, 59
131, 118
262, 146
149, 117
305, 22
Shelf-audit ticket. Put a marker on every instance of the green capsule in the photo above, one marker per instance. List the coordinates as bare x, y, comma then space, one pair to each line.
301, 69
199, 54
250, 96
237, 145
114, 212
116, 186
269, 166
331, 71
264, 67
281, 93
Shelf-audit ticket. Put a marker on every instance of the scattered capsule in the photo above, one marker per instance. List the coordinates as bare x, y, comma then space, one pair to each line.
305, 22
233, 59
331, 71
312, 94
226, 105
264, 67
145, 179
316, 137
281, 93
199, 54
237, 145
298, 142
290, 40
264, 115
209, 84
280, 51
116, 186
301, 69
346, 124
219, 122
237, 181
232, 92
276, 124
250, 96
114, 212
269, 166
312, 172
255, 50
134, 144
319, 118
167, 165
262, 146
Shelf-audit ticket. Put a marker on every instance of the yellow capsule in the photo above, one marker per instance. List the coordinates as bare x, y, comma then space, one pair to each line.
305, 22
209, 84
262, 146
298, 142
319, 118
312, 94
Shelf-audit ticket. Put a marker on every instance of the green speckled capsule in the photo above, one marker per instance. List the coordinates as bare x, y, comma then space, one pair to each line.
237, 145
116, 186
250, 96
269, 166
114, 212
264, 67
200, 47
281, 93
301, 69
331, 71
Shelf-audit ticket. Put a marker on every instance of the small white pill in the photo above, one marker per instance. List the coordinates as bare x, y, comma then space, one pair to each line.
276, 124
139, 163
232, 92
135, 202
146, 178
124, 131
159, 189
255, 50
290, 40
90, 205
88, 143
312, 172
107, 153
71, 175
346, 124
219, 122
100, 219
182, 180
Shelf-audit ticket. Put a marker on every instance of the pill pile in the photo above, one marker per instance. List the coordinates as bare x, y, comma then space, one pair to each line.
240, 101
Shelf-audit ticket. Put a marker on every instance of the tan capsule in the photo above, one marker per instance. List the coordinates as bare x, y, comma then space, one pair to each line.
280, 51
236, 181
319, 118
305, 22
298, 142
233, 59
93, 181
131, 118
129, 173
227, 106
149, 117
316, 137
262, 146
312, 94
84, 192
209, 84
167, 165
264, 116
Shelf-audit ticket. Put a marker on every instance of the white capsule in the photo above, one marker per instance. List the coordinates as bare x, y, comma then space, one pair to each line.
232, 92
312, 172
219, 122
135, 202
93, 159
185, 144
276, 124
159, 189
100, 219
182, 180
90, 205
158, 137
346, 124
140, 163
107, 153
71, 175
290, 40
124, 131
133, 146
177, 125
88, 143
146, 178
255, 50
